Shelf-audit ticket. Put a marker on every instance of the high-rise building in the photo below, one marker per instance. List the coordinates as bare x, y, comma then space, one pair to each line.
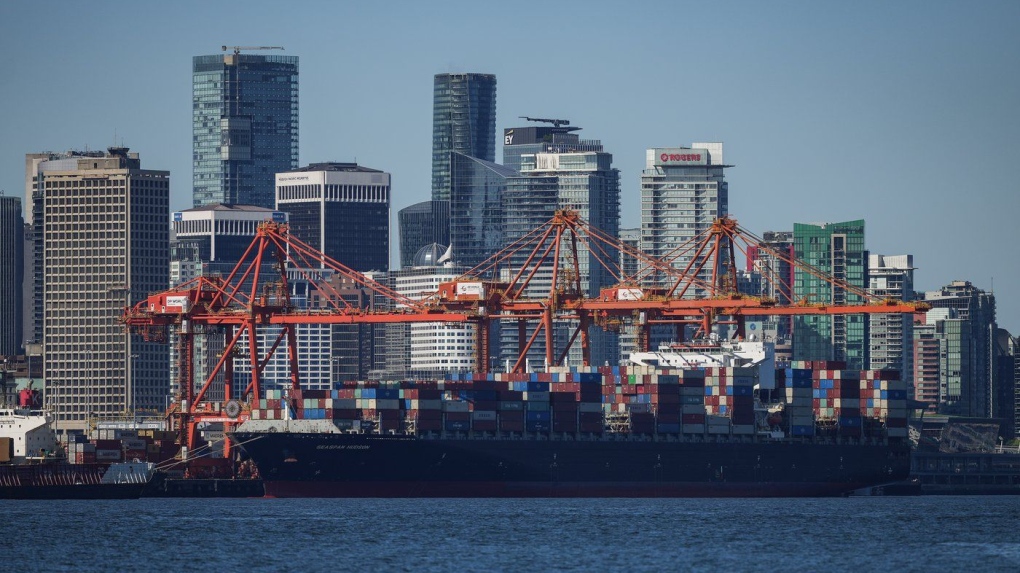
890, 335
629, 263
421, 225
837, 250
964, 319
557, 138
340, 209
926, 374
12, 254
35, 163
1003, 407
476, 210
683, 191
463, 120
583, 182
771, 260
209, 241
106, 245
244, 126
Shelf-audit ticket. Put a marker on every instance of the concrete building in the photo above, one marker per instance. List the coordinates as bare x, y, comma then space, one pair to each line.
583, 182
837, 250
683, 191
12, 268
105, 246
340, 209
463, 120
926, 365
430, 349
890, 335
244, 126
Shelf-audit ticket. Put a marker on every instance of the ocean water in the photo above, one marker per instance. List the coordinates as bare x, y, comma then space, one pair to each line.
923, 534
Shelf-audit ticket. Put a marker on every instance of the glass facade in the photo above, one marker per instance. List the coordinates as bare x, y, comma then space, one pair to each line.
422, 224
245, 126
463, 120
476, 211
837, 251
12, 253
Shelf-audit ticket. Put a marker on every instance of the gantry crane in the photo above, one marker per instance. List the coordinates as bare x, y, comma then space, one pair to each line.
245, 303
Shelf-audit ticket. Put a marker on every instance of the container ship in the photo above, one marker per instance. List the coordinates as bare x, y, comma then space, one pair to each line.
729, 425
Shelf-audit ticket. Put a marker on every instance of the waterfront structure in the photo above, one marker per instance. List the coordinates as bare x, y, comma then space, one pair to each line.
476, 211
771, 259
585, 182
964, 320
12, 254
890, 335
463, 120
683, 191
244, 126
105, 246
531, 139
209, 241
420, 225
341, 210
837, 251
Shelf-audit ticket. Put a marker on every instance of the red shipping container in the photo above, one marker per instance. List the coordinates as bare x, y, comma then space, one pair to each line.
693, 418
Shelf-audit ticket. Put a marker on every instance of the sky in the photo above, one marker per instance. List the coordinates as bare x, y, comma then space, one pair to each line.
904, 114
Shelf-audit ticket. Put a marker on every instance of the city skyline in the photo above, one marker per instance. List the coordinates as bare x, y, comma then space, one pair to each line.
893, 114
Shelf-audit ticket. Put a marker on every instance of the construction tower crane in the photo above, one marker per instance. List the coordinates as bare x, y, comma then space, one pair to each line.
555, 122
237, 49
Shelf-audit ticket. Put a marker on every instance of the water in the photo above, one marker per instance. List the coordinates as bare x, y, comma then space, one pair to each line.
906, 534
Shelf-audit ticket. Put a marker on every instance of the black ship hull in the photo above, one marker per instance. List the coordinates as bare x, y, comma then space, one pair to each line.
368, 465
63, 481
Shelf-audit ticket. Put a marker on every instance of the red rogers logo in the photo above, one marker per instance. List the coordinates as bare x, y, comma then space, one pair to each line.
680, 157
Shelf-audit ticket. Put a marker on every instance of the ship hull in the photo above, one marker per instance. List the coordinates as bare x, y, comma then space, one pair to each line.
366, 465
63, 481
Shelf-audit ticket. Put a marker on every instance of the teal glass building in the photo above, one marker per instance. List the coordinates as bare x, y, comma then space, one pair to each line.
463, 120
836, 250
245, 127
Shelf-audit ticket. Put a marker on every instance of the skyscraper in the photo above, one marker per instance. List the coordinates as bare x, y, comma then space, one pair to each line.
964, 319
891, 335
340, 209
245, 126
837, 250
106, 245
476, 210
463, 120
583, 182
683, 191
12, 251
531, 139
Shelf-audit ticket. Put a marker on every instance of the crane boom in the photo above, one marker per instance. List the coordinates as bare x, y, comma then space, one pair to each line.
555, 122
237, 49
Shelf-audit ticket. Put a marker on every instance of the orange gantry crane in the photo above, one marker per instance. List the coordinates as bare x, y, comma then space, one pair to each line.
536, 282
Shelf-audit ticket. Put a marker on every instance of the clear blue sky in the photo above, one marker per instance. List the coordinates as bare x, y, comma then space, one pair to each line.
902, 113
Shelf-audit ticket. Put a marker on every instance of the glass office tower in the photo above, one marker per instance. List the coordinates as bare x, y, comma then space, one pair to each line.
245, 126
463, 120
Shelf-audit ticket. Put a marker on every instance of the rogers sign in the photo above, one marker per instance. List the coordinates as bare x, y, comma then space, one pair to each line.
668, 157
